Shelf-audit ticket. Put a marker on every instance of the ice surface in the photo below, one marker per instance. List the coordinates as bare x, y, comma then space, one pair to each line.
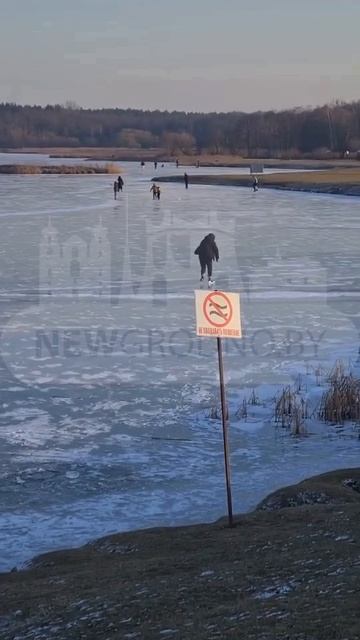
105, 389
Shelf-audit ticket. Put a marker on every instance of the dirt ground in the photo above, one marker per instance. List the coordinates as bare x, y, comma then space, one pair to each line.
289, 570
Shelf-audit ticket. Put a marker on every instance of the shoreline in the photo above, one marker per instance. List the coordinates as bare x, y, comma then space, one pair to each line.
331, 182
277, 500
146, 583
118, 154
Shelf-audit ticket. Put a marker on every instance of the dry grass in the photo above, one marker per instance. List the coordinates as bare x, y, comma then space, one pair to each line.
111, 167
341, 402
228, 160
338, 180
215, 413
330, 176
162, 154
291, 411
242, 412
20, 169
254, 400
289, 571
95, 153
63, 169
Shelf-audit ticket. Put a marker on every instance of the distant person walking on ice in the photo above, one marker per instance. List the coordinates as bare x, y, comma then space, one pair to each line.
116, 189
158, 192
207, 252
120, 183
154, 190
186, 180
155, 165
256, 184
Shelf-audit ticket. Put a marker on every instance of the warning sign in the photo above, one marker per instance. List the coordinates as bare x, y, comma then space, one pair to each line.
217, 314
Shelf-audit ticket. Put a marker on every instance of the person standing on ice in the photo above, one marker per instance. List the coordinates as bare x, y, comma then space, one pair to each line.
208, 252
154, 190
120, 183
256, 184
116, 189
186, 180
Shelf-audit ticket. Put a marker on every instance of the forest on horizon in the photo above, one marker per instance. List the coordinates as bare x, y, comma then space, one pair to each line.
301, 132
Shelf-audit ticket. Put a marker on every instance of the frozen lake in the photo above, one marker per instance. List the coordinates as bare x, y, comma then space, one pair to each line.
105, 389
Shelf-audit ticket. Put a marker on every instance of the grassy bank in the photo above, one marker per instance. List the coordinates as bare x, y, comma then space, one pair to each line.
233, 161
290, 569
163, 155
30, 169
337, 181
111, 154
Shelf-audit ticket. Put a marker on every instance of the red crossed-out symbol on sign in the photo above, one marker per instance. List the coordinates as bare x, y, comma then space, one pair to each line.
218, 309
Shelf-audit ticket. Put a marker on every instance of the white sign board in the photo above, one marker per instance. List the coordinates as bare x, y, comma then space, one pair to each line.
217, 314
257, 168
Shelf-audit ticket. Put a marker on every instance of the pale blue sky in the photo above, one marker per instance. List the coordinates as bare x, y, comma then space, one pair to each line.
208, 55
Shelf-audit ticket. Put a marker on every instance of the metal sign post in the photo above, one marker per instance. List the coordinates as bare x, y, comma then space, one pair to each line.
225, 433
218, 316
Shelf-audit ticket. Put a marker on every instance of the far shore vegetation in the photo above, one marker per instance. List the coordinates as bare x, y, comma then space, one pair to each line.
326, 132
121, 154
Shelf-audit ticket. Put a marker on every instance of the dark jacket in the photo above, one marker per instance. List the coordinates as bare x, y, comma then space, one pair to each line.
207, 249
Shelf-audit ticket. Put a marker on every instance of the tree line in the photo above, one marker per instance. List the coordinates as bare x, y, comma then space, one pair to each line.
330, 129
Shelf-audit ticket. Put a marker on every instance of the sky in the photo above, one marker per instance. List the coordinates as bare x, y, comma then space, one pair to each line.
192, 55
